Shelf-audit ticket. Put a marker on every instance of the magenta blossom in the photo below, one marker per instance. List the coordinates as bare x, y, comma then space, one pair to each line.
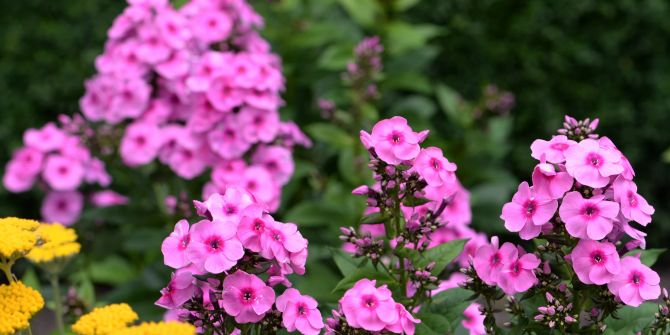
473, 320
252, 227
214, 246
595, 262
591, 164
62, 207
528, 211
246, 297
46, 139
517, 275
281, 240
635, 282
553, 150
368, 307
394, 141
179, 290
406, 322
175, 246
299, 312
63, 173
588, 218
550, 183
633, 206
108, 198
489, 260
434, 168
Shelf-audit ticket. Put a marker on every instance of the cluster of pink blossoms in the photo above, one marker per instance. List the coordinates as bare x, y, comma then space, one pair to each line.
198, 88
583, 203
435, 210
60, 164
218, 262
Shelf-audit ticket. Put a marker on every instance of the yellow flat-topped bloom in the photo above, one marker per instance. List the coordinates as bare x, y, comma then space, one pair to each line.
18, 238
25, 224
54, 241
159, 328
105, 320
18, 304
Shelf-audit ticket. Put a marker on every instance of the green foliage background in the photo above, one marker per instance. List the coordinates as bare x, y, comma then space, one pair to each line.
583, 58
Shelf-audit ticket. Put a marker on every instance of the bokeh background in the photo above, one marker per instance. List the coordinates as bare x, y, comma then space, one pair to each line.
607, 60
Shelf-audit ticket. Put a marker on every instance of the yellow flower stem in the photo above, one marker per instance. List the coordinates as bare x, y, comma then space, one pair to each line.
58, 303
6, 267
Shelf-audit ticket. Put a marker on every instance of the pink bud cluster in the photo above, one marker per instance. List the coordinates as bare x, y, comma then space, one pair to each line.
229, 264
60, 163
582, 198
366, 306
196, 88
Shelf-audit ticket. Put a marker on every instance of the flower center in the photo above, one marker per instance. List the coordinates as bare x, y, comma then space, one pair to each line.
594, 160
598, 257
277, 236
302, 309
396, 137
247, 295
530, 206
590, 210
230, 209
62, 170
495, 259
214, 244
259, 225
636, 278
516, 268
184, 242
369, 301
435, 163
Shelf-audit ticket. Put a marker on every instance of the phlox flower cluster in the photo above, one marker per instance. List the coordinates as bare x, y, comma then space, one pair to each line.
196, 88
59, 162
582, 203
416, 203
230, 264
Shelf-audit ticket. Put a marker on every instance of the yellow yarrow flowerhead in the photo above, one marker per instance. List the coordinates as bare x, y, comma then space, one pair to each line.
18, 238
18, 304
54, 242
159, 328
105, 320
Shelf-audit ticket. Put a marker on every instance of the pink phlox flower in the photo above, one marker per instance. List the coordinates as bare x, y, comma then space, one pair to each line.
45, 139
518, 274
140, 143
281, 240
553, 150
592, 165
229, 206
246, 297
633, 206
635, 282
277, 160
595, 262
179, 290
550, 183
252, 227
175, 246
62, 207
214, 246
406, 322
107, 198
299, 312
590, 218
434, 167
490, 260
528, 211
63, 173
368, 307
473, 320
395, 142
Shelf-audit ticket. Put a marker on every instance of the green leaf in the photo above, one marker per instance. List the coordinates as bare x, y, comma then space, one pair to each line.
412, 201
314, 213
402, 5
404, 37
30, 279
443, 254
366, 272
112, 270
451, 303
648, 257
632, 319
452, 105
433, 324
330, 134
376, 217
344, 261
361, 11
335, 57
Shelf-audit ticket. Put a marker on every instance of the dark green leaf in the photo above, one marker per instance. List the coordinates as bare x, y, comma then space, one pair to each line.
648, 257
376, 217
412, 201
314, 213
330, 134
443, 254
370, 273
433, 324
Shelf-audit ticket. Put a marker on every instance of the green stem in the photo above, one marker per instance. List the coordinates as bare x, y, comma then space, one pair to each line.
7, 270
58, 303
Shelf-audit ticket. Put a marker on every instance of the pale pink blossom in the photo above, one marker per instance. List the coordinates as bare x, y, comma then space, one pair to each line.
553, 150
550, 183
595, 262
179, 290
635, 282
633, 206
368, 307
246, 297
175, 246
489, 260
518, 274
63, 173
394, 141
590, 218
592, 165
62, 207
473, 320
214, 246
299, 312
528, 211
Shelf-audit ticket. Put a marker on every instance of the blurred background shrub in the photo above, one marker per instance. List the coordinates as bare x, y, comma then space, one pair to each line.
443, 65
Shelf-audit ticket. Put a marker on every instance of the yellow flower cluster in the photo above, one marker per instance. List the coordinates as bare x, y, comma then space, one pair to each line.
159, 328
18, 304
54, 242
18, 237
105, 320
